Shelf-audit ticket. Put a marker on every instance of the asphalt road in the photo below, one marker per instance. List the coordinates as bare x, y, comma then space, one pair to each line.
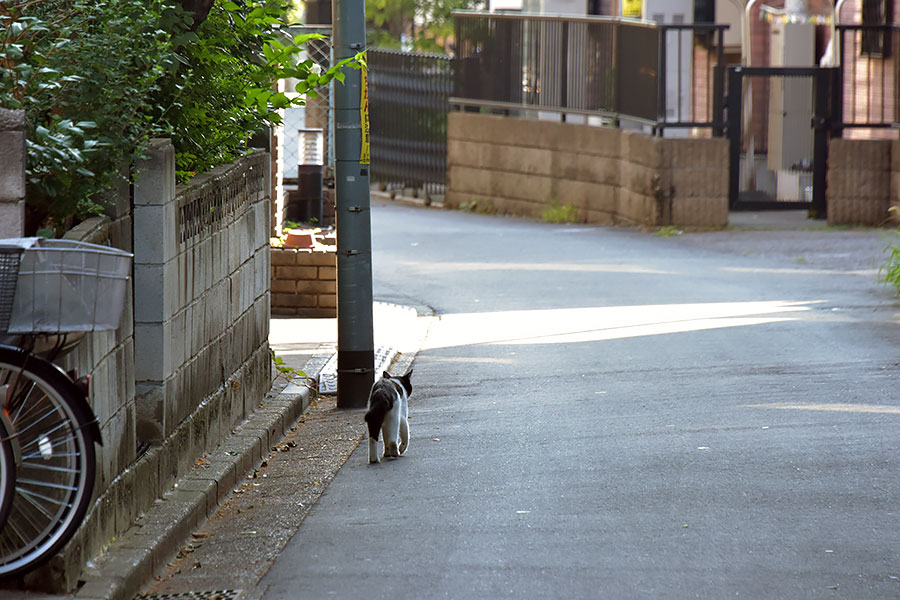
606, 413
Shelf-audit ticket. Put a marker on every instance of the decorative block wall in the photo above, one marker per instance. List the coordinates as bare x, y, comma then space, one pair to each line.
190, 359
304, 282
863, 181
523, 166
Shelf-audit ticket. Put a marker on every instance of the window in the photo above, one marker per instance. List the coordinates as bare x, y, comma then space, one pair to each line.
876, 42
704, 11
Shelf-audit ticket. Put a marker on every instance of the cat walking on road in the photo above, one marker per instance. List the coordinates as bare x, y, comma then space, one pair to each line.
388, 414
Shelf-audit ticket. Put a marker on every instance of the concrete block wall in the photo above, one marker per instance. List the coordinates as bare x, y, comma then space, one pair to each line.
12, 173
862, 181
522, 167
304, 282
697, 192
190, 360
201, 288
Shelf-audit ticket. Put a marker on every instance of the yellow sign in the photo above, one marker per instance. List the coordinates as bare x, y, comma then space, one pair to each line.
364, 112
632, 8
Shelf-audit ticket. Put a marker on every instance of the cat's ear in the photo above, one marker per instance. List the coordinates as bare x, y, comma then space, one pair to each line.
385, 375
405, 381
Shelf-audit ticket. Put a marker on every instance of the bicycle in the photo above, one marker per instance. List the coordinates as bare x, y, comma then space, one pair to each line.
48, 431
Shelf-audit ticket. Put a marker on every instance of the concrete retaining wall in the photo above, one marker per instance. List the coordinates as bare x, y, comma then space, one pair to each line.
611, 177
190, 359
863, 181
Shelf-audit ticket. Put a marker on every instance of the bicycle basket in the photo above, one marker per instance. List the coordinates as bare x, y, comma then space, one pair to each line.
10, 255
66, 286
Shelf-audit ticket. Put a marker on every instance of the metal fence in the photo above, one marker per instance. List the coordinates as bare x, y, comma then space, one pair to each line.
597, 66
408, 105
691, 86
870, 73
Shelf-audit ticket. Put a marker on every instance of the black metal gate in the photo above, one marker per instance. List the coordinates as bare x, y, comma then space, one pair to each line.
779, 120
409, 101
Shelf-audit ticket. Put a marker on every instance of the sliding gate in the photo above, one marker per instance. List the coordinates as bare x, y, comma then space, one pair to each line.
778, 127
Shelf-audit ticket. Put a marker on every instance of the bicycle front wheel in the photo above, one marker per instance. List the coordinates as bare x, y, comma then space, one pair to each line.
54, 449
7, 471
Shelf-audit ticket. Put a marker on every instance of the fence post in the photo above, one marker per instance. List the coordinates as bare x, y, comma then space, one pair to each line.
12, 173
662, 96
718, 116
823, 83
155, 288
564, 69
734, 104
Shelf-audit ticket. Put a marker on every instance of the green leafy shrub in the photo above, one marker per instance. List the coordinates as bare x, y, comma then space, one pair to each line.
891, 270
99, 78
222, 91
83, 71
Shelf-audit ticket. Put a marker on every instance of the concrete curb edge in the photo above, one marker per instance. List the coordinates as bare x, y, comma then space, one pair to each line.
157, 536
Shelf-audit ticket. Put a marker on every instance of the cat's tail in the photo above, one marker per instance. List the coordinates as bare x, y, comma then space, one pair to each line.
379, 405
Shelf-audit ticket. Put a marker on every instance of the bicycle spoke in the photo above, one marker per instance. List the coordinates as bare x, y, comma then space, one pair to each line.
14, 526
33, 497
24, 396
44, 467
45, 446
33, 424
34, 483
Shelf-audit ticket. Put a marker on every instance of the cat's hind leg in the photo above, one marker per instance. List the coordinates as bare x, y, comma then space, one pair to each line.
373, 451
390, 432
391, 448
404, 435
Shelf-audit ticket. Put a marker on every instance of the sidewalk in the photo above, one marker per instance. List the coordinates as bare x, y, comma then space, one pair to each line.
169, 532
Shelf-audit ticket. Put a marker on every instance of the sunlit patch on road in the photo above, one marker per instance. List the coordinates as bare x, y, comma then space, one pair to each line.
837, 407
570, 325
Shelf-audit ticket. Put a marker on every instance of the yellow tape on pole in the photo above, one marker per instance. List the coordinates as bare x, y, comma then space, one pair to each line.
364, 112
632, 8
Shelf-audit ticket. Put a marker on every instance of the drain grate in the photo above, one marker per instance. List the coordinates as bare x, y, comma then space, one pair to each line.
213, 595
328, 375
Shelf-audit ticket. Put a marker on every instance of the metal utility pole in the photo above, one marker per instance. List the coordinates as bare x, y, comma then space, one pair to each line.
356, 345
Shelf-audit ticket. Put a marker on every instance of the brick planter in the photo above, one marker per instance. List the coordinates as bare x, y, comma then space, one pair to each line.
304, 282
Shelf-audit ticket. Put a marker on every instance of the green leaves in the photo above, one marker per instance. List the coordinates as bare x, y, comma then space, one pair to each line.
232, 71
83, 71
99, 78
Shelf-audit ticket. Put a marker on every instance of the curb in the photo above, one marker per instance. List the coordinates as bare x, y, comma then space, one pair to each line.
401, 198
131, 561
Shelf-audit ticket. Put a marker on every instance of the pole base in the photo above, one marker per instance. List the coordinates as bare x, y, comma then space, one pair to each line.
356, 374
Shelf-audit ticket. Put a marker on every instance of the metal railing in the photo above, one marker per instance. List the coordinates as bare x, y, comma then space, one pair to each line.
870, 77
408, 105
598, 66
691, 87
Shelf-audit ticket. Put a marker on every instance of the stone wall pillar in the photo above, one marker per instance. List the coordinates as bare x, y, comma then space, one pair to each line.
12, 173
155, 288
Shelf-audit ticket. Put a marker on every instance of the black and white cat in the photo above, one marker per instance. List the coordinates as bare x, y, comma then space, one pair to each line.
388, 412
